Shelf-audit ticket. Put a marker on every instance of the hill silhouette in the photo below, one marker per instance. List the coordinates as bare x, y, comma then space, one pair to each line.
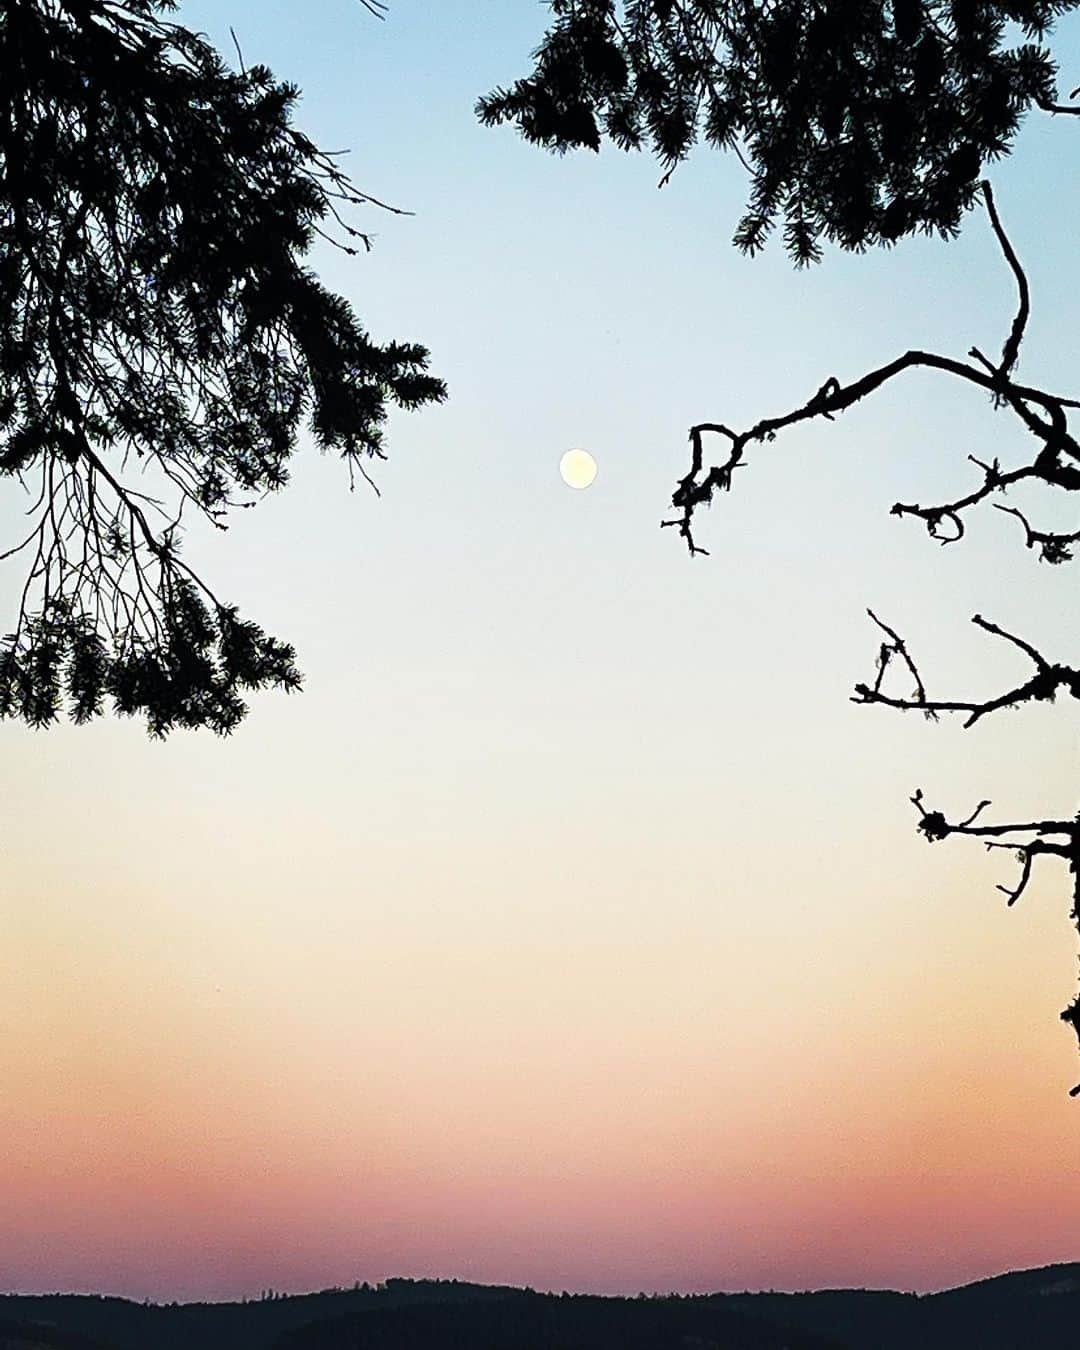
250, 1325
1022, 1310
28, 1336
530, 1321
1038, 1309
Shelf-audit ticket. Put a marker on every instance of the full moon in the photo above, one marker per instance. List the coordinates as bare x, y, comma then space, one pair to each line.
578, 468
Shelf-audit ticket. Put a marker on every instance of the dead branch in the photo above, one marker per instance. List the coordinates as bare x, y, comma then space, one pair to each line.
1043, 686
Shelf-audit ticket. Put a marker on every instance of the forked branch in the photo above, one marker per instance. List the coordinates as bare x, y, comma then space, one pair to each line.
1048, 680
1055, 462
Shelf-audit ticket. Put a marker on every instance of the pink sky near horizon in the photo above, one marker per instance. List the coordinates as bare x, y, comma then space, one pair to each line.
173, 1137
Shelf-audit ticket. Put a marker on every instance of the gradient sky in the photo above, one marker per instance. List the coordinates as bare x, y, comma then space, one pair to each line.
570, 928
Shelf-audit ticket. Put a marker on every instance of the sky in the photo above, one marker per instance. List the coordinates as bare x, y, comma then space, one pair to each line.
570, 928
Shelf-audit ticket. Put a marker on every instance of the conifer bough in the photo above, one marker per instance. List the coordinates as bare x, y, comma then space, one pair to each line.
161, 346
858, 121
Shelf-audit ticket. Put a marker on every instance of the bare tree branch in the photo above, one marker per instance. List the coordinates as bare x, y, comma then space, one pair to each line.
1011, 350
1055, 463
1042, 413
1053, 548
1043, 686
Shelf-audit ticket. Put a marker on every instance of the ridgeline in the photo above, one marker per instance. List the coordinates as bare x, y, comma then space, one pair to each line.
1025, 1310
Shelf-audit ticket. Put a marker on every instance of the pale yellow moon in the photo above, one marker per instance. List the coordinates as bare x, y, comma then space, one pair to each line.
578, 468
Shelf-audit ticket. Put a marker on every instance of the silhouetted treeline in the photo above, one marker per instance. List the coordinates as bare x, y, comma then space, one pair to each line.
533, 1321
252, 1325
1027, 1310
